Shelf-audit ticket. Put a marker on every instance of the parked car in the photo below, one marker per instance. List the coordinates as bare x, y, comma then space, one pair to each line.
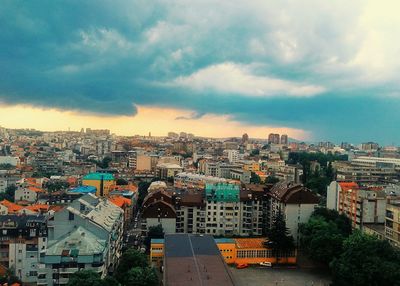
241, 265
266, 264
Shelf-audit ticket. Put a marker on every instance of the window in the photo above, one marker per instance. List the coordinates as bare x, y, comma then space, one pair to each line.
70, 216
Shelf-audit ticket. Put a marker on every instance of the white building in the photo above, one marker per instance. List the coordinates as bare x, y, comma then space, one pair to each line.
233, 156
295, 202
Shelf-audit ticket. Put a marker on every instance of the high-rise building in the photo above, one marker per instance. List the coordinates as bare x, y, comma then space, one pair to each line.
284, 139
245, 137
273, 138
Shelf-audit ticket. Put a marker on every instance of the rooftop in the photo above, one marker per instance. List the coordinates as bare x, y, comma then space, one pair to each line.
99, 176
83, 190
194, 260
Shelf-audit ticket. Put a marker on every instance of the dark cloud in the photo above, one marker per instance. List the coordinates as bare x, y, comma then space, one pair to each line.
107, 56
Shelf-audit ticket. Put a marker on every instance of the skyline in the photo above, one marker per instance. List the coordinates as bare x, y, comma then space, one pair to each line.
316, 71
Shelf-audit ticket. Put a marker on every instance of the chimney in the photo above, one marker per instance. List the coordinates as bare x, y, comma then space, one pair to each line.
102, 186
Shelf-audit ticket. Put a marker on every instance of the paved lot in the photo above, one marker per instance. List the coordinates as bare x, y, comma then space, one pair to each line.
255, 276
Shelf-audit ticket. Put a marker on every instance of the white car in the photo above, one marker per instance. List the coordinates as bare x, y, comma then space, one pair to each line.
266, 264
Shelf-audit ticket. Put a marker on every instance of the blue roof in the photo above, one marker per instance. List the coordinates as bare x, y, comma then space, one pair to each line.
157, 240
84, 190
224, 240
98, 176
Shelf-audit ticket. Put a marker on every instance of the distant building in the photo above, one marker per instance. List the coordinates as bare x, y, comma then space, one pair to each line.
233, 156
167, 170
9, 160
273, 138
245, 138
284, 139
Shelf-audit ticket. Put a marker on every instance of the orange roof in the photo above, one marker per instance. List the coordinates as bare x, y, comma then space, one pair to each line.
120, 201
250, 242
345, 186
15, 284
36, 189
129, 187
38, 208
12, 208
56, 208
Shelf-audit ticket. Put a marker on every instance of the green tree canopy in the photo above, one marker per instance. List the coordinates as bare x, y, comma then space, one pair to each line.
323, 235
121, 182
255, 179
9, 193
129, 259
271, 180
366, 261
141, 277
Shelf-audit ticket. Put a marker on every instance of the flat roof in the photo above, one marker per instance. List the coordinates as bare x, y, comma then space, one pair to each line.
195, 260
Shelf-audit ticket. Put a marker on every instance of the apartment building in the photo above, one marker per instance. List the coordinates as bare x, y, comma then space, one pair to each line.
366, 171
87, 234
22, 239
195, 181
392, 222
294, 201
360, 205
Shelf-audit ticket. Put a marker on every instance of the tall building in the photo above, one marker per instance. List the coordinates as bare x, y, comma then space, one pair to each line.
273, 138
284, 139
245, 138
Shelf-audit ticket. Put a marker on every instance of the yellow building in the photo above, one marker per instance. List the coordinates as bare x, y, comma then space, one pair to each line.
156, 252
233, 250
103, 183
251, 166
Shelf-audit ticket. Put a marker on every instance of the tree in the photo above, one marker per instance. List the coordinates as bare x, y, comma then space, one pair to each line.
129, 259
9, 193
323, 235
154, 232
271, 180
121, 182
90, 278
279, 239
255, 179
104, 163
321, 240
142, 189
141, 277
56, 185
366, 261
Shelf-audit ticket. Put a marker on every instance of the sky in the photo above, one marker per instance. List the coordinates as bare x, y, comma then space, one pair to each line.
316, 70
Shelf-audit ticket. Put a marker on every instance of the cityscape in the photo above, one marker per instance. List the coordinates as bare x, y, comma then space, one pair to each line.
199, 143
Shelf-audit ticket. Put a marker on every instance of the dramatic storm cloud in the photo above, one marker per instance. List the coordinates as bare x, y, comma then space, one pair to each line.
327, 67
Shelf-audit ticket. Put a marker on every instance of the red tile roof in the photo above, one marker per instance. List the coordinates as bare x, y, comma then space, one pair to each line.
345, 186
